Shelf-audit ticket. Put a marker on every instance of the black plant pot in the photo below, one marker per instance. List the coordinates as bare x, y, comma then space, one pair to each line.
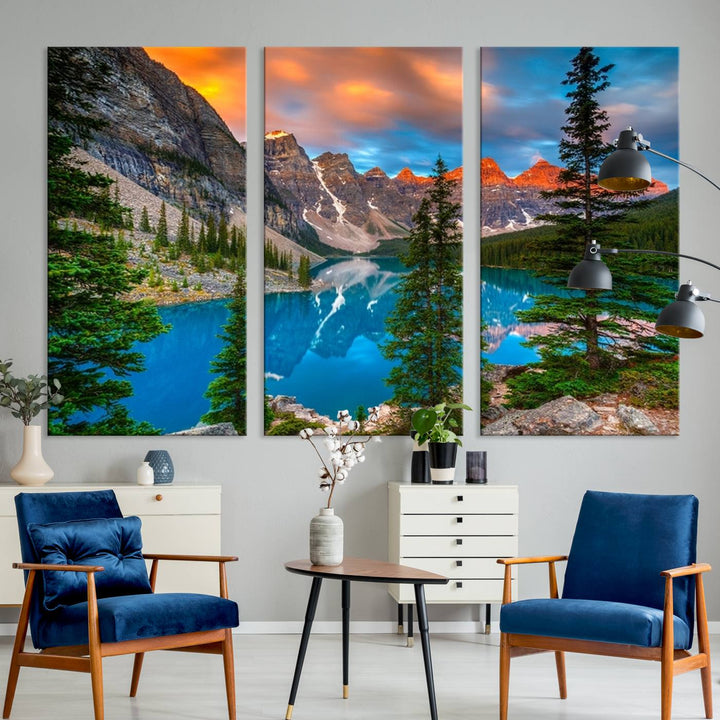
442, 462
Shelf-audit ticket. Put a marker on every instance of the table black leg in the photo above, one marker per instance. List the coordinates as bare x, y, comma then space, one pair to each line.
487, 618
346, 635
309, 615
400, 629
410, 637
425, 640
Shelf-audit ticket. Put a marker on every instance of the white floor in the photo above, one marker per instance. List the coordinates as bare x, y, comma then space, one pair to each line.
387, 682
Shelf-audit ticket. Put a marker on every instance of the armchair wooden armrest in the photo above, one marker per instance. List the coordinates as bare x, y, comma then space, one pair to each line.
193, 558
694, 569
67, 568
509, 562
220, 559
528, 560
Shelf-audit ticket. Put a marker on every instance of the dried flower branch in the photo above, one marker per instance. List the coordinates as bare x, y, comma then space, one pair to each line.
345, 450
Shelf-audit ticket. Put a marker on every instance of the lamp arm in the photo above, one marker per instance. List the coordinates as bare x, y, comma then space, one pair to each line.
643, 146
615, 251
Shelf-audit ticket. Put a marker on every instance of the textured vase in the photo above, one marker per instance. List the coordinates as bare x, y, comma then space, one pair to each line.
145, 474
32, 468
326, 538
442, 462
162, 465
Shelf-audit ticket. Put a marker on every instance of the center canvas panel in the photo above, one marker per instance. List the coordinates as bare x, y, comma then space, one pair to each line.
557, 361
363, 234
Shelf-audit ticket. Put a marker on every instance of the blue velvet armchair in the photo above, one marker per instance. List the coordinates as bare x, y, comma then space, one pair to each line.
88, 594
630, 582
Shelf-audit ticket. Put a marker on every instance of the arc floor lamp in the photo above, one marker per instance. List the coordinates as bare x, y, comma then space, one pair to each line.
627, 170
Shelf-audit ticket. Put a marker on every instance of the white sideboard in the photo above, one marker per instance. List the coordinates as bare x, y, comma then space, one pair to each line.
455, 530
176, 518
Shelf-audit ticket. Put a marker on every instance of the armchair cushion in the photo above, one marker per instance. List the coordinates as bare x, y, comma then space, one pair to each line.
598, 620
113, 543
138, 616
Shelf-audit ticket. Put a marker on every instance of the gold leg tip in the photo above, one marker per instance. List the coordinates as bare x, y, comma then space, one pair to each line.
487, 629
288, 714
346, 692
400, 630
411, 642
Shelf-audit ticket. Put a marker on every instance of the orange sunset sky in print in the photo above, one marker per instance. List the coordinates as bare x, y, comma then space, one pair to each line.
217, 73
384, 106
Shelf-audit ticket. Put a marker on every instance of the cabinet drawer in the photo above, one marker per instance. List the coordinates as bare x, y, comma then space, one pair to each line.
458, 525
471, 592
458, 499
449, 546
469, 568
159, 500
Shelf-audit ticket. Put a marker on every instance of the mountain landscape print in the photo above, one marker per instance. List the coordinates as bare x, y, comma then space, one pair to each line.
556, 361
363, 234
146, 240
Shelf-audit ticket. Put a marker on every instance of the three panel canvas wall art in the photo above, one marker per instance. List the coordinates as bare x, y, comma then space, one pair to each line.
362, 241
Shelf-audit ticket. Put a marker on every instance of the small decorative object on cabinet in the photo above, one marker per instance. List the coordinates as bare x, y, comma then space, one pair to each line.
162, 466
145, 474
476, 467
25, 398
420, 466
459, 532
181, 518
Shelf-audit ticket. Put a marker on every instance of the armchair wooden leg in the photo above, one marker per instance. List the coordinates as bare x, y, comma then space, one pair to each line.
229, 665
96, 672
562, 682
19, 645
137, 667
96, 677
504, 675
704, 645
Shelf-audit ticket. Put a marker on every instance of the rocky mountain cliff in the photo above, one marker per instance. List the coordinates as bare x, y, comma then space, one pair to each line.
324, 201
509, 204
163, 135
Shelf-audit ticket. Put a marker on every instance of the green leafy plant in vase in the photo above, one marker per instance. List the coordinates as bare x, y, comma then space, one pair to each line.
436, 426
25, 398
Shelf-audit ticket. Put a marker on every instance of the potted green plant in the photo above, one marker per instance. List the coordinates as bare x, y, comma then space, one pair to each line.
436, 427
25, 398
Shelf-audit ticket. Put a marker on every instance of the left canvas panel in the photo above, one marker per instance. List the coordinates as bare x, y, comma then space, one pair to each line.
146, 240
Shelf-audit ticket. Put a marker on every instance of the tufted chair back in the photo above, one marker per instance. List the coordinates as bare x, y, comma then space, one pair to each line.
44, 508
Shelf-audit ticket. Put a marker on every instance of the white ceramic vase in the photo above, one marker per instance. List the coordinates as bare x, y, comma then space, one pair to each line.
32, 468
145, 474
326, 538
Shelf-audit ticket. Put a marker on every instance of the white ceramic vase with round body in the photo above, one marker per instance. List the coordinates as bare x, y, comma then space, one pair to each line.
32, 468
326, 538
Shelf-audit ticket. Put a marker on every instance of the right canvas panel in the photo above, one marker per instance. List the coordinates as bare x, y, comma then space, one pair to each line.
556, 361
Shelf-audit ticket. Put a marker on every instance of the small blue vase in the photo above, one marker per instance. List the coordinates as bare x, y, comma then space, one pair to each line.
162, 466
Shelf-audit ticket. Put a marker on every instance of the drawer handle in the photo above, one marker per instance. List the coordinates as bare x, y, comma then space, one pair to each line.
458, 519
458, 541
158, 497
458, 563
458, 585
460, 498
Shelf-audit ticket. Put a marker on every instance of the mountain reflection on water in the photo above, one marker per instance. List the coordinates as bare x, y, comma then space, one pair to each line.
504, 292
323, 347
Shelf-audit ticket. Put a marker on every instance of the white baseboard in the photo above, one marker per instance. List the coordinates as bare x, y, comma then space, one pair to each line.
294, 627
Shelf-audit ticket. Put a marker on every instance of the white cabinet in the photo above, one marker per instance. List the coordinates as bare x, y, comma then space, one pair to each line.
456, 530
176, 518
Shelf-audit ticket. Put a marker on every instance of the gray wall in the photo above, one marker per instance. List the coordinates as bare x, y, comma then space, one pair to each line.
269, 485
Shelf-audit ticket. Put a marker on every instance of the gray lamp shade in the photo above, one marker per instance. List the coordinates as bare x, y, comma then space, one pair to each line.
682, 318
626, 169
590, 274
